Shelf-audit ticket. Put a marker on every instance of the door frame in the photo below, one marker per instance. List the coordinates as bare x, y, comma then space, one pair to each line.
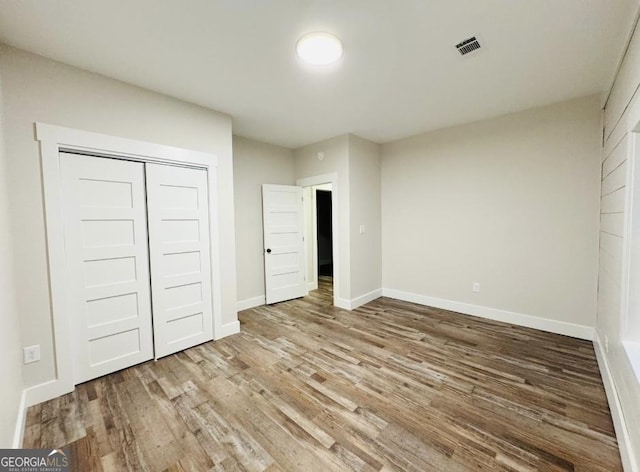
316, 249
311, 221
333, 180
54, 139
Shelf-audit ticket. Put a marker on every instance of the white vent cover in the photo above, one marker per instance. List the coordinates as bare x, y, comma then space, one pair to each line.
468, 46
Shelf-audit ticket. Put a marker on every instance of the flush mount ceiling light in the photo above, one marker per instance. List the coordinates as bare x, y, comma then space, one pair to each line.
319, 49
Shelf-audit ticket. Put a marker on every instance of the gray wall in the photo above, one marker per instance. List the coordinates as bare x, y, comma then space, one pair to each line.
254, 164
511, 203
10, 349
365, 199
356, 162
38, 89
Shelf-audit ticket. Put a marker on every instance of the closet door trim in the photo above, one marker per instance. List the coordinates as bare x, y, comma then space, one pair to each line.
53, 140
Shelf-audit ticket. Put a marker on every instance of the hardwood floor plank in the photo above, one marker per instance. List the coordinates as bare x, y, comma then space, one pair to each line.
306, 386
85, 453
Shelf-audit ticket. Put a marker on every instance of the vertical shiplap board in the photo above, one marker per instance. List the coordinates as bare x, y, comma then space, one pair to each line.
624, 88
621, 118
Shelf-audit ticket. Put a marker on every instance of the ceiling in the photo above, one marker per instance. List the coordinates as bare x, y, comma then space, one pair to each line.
400, 74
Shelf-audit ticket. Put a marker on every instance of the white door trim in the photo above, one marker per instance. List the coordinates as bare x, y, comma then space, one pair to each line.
52, 139
335, 195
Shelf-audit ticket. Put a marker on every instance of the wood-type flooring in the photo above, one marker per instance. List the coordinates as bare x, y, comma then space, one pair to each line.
309, 387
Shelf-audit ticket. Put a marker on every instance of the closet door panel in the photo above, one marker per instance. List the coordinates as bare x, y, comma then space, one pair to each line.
178, 212
107, 256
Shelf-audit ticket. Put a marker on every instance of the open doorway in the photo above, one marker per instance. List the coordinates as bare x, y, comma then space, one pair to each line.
324, 233
324, 241
321, 235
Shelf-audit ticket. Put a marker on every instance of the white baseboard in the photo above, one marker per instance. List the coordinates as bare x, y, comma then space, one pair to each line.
346, 304
342, 303
364, 299
251, 303
627, 454
339, 302
46, 391
229, 329
21, 420
544, 324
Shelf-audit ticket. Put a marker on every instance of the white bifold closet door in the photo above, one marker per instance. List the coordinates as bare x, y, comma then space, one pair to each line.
178, 209
106, 248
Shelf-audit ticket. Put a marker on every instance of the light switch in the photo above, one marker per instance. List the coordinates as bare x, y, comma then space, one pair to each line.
362, 231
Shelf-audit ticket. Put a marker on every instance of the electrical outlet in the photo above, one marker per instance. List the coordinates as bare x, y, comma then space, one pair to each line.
31, 354
606, 344
475, 287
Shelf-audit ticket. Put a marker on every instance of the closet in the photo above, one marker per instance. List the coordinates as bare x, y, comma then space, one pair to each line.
137, 250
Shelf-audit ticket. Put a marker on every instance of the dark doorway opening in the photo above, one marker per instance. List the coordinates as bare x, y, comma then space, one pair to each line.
325, 232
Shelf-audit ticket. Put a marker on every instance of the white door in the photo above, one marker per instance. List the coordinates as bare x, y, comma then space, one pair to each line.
282, 214
178, 208
108, 277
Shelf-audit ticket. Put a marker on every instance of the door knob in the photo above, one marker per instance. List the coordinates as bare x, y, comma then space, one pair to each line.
268, 251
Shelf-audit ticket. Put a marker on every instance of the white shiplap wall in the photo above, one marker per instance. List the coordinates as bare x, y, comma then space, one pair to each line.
621, 119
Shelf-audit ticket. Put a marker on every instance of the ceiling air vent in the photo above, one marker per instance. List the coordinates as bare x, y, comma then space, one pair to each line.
468, 45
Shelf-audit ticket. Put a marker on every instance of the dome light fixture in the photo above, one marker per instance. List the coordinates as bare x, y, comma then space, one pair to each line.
319, 48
